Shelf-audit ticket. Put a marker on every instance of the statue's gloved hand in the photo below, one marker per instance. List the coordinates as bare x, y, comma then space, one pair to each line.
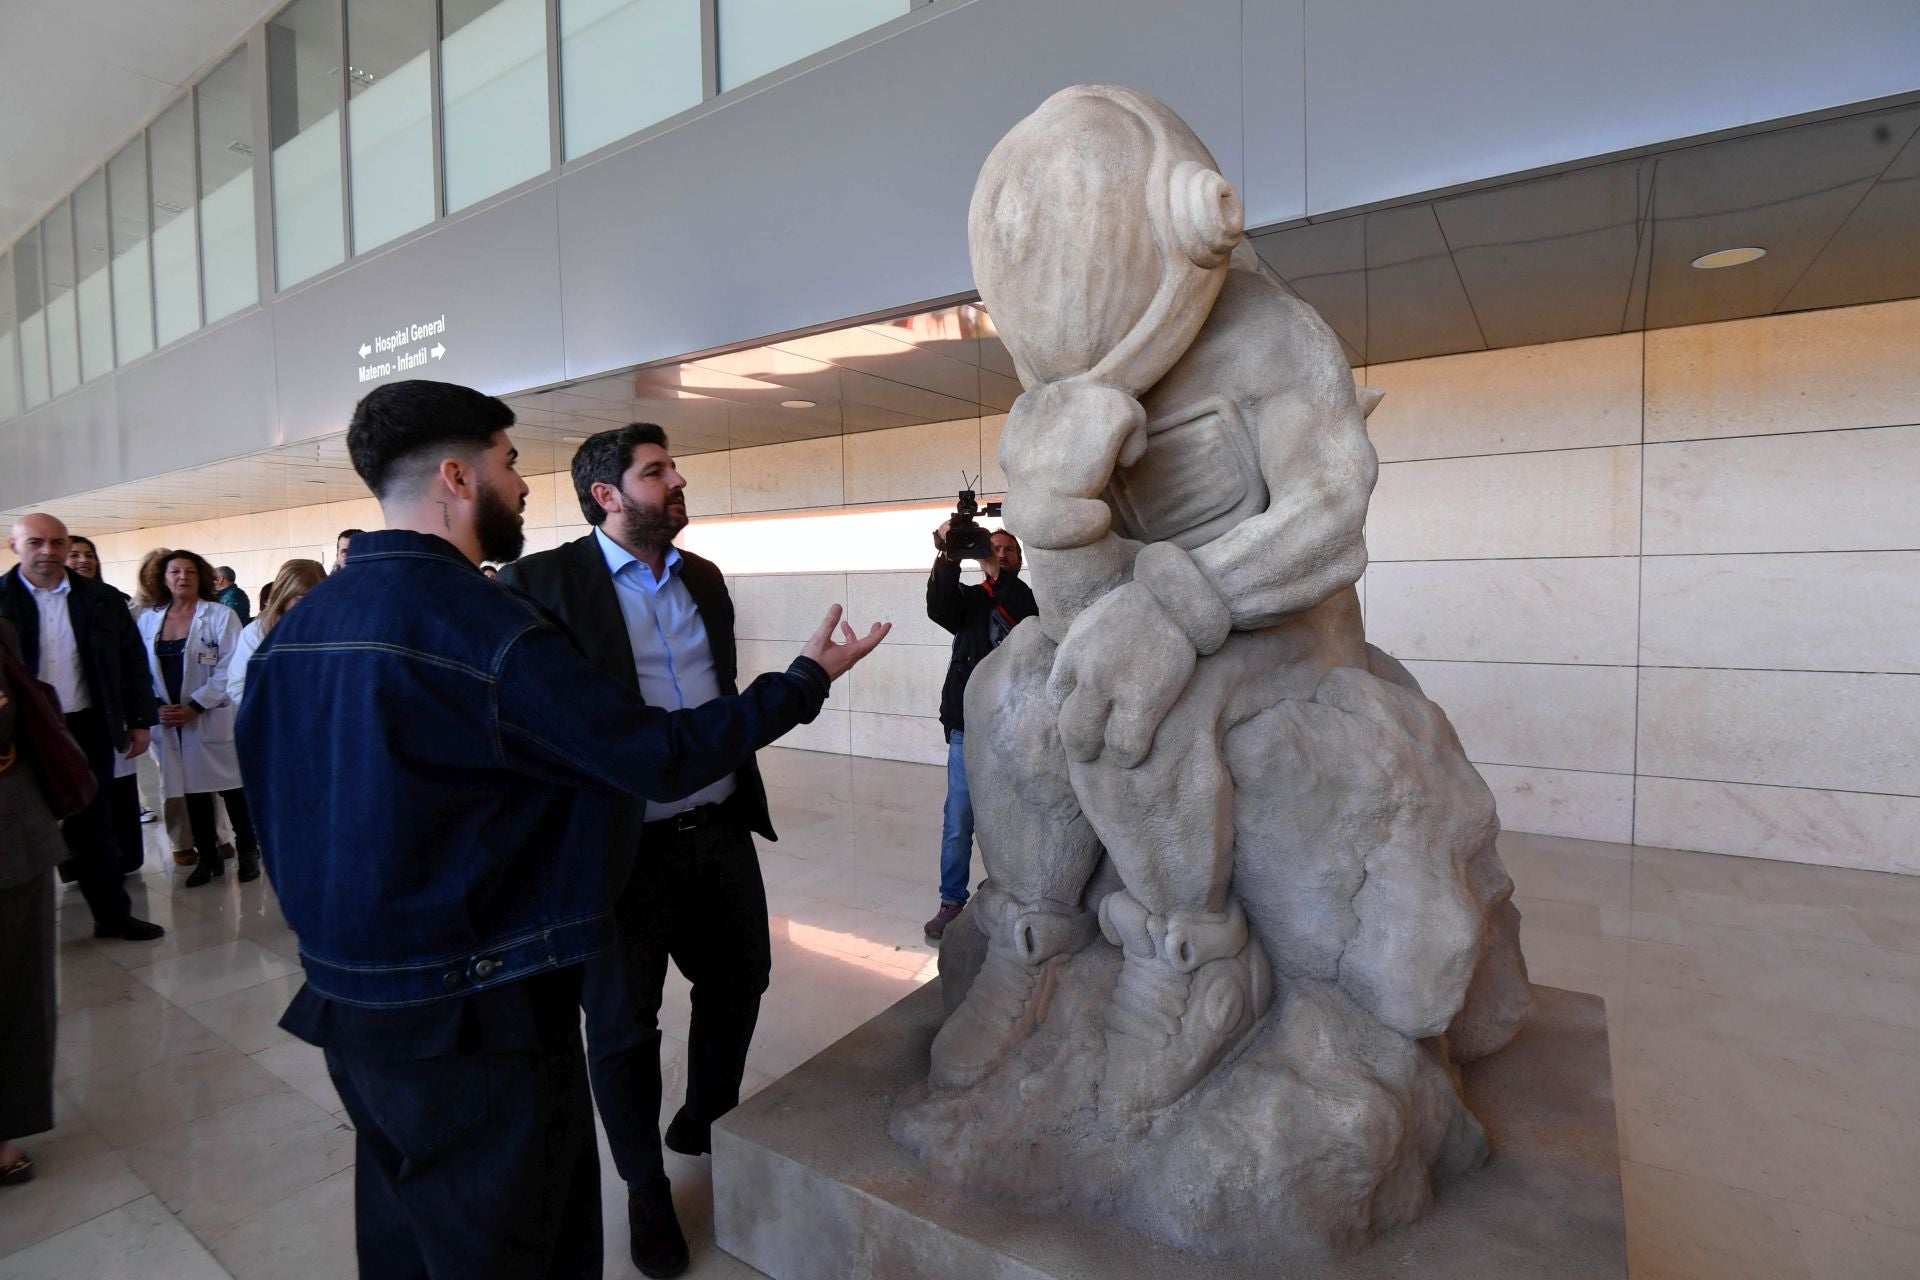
1059, 449
1121, 668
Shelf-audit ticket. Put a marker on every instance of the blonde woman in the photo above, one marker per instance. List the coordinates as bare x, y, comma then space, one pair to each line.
295, 579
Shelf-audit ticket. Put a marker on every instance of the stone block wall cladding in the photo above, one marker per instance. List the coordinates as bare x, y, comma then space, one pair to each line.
1667, 585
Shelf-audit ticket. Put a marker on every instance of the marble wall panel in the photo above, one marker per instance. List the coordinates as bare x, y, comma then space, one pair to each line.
1565, 395
1793, 824
1804, 371
899, 680
543, 493
1546, 716
899, 598
1568, 611
709, 478
785, 606
1572, 502
935, 460
757, 657
887, 737
1559, 802
784, 477
1837, 611
1830, 491
1822, 730
830, 731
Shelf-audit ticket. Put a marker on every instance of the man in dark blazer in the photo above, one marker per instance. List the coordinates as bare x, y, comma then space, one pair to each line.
76, 635
684, 877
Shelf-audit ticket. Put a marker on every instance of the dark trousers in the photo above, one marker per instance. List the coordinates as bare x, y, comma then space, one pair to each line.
206, 837
26, 1008
473, 1166
696, 898
125, 808
89, 834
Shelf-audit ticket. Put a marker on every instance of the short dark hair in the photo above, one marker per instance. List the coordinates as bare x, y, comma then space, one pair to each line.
200, 565
394, 424
224, 571
348, 534
604, 457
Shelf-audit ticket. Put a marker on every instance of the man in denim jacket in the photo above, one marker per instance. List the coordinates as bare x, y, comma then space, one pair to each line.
434, 764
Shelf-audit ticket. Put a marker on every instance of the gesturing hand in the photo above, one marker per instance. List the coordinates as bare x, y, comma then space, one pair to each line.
839, 658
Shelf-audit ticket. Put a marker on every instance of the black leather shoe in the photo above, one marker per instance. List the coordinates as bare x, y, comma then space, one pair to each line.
653, 1232
249, 865
203, 871
131, 929
686, 1137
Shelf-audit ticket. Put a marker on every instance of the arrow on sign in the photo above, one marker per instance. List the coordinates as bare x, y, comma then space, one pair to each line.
439, 349
365, 350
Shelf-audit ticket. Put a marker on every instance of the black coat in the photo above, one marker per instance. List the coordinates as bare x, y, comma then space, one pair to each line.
111, 657
967, 611
572, 583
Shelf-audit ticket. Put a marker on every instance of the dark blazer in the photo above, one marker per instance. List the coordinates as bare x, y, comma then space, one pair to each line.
572, 583
111, 657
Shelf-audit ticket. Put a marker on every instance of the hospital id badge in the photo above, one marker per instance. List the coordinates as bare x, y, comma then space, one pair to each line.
209, 658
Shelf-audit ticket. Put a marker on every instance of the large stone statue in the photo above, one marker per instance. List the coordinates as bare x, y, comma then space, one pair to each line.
1244, 913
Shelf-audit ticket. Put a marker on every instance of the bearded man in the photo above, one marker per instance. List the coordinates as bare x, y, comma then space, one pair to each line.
687, 878
436, 766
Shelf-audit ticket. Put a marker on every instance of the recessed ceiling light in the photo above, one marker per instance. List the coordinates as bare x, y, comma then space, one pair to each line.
1728, 257
573, 439
798, 404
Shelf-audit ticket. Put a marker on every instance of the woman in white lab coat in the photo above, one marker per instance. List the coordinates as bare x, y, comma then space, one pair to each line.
190, 642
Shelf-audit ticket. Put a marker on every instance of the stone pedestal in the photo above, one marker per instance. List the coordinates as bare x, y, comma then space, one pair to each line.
807, 1186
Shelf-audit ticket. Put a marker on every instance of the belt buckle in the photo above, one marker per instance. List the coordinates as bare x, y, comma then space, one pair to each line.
687, 820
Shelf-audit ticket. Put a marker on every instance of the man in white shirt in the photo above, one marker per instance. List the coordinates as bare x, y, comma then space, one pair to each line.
685, 877
78, 637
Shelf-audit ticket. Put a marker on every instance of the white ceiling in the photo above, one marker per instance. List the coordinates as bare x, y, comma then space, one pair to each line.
77, 77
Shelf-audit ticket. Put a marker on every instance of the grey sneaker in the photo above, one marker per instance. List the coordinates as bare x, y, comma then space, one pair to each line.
937, 926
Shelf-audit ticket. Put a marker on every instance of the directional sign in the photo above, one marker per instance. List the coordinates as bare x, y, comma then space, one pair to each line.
401, 349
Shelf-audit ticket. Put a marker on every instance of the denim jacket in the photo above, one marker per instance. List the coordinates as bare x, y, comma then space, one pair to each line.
431, 764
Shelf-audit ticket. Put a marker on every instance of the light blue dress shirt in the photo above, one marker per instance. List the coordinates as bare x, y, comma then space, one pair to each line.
670, 651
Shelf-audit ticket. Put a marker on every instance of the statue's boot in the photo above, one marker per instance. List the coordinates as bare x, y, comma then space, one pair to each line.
1192, 984
1028, 945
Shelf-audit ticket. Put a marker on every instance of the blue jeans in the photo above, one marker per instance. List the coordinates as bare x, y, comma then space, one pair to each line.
956, 828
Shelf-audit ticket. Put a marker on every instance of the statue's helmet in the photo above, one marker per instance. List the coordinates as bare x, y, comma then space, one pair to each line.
1100, 231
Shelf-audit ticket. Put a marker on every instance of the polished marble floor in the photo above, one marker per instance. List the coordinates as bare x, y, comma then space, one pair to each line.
1765, 1023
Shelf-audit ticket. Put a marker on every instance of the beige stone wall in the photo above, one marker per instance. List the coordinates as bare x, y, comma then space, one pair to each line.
1667, 585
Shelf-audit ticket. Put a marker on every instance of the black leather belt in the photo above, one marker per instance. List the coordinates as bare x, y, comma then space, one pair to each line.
701, 815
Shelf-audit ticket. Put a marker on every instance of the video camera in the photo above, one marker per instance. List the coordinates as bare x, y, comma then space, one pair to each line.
966, 540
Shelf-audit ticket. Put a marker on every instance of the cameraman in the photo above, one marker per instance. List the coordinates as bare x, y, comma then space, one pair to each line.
979, 618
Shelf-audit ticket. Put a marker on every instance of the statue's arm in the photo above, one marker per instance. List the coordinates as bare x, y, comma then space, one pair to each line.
1310, 541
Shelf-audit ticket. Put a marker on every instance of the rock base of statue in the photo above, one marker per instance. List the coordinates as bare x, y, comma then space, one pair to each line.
808, 1185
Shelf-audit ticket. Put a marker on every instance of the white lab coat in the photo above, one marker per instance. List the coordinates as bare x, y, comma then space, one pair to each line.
201, 756
243, 651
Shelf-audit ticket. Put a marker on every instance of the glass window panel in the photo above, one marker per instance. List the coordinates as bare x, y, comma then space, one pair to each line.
63, 333
95, 290
132, 274
389, 117
758, 36
625, 64
493, 80
176, 273
9, 375
30, 302
229, 269
303, 116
